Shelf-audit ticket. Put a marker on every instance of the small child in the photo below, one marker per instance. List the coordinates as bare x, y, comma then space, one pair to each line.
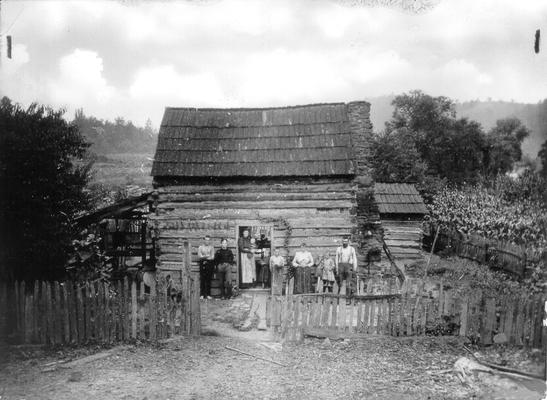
327, 273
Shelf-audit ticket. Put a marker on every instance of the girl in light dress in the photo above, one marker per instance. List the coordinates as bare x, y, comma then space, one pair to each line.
326, 272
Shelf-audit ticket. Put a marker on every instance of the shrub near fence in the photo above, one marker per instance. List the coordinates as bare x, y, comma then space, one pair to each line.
475, 316
505, 256
77, 313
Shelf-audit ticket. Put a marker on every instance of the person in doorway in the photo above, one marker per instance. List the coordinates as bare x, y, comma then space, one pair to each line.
206, 255
247, 262
346, 263
302, 261
224, 260
277, 262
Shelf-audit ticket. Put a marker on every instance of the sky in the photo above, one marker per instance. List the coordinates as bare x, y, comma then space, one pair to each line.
134, 58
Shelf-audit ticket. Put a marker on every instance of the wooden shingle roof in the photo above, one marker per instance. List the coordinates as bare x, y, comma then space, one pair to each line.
398, 198
311, 140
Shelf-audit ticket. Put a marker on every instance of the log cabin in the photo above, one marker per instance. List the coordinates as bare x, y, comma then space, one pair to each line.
295, 174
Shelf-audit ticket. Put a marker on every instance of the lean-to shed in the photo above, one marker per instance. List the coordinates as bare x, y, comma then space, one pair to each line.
401, 210
292, 173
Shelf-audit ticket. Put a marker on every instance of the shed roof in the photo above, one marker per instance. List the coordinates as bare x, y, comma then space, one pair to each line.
307, 140
398, 198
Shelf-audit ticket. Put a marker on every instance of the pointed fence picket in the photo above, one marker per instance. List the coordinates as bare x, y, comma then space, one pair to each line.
80, 312
477, 316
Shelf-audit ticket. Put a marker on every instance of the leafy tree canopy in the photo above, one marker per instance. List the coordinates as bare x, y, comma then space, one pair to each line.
396, 159
42, 188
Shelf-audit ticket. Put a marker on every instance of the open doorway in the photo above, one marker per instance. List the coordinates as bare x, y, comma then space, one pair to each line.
253, 256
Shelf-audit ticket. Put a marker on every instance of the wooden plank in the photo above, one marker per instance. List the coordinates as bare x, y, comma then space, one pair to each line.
126, 309
389, 324
17, 298
28, 300
425, 309
65, 313
36, 313
358, 325
342, 314
94, 312
152, 307
325, 311
42, 308
22, 309
58, 313
101, 312
80, 316
441, 299
50, 313
509, 318
89, 312
352, 312
134, 307
463, 317
488, 321
73, 311
408, 315
144, 298
107, 312
366, 317
334, 319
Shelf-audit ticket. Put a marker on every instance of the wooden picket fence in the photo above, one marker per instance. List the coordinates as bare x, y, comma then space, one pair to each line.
81, 312
498, 254
477, 317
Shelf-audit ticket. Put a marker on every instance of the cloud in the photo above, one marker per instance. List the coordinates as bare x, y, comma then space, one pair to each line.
80, 80
134, 58
165, 85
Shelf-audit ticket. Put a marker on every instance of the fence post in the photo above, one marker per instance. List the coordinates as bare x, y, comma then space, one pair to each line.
133, 309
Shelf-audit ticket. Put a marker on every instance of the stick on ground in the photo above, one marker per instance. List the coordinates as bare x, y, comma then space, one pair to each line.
255, 356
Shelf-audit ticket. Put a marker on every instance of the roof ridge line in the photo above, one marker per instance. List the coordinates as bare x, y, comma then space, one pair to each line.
257, 108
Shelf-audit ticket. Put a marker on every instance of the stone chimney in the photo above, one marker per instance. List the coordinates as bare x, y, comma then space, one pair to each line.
361, 128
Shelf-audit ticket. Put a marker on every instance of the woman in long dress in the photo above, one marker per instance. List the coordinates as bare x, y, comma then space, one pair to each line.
247, 259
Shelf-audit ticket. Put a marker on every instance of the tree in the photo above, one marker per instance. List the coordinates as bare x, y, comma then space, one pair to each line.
396, 159
457, 153
504, 145
451, 148
424, 115
42, 189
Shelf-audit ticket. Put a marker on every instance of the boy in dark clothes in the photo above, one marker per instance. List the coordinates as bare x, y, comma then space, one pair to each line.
224, 259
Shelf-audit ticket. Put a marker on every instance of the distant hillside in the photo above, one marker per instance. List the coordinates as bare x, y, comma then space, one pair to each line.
534, 116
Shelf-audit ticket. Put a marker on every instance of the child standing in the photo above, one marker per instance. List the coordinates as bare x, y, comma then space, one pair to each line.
327, 273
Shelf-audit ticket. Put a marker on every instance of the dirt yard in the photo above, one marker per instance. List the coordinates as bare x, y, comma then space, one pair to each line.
204, 368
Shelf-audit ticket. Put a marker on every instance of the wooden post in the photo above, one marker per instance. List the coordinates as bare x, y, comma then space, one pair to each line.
153, 312
65, 311
101, 314
37, 315
488, 321
80, 316
94, 318
366, 317
126, 309
46, 289
58, 313
134, 310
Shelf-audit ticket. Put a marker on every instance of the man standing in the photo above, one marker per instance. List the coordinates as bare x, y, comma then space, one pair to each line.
346, 262
206, 255
224, 259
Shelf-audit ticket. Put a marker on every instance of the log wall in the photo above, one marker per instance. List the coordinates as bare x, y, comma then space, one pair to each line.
319, 213
404, 238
